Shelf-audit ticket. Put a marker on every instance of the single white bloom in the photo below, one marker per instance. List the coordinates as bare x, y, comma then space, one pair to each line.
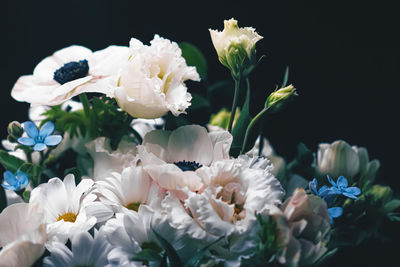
107, 161
68, 208
22, 235
235, 46
85, 251
152, 83
70, 72
174, 159
128, 190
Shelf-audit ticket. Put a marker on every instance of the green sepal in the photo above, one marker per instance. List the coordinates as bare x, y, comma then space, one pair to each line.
10, 163
194, 57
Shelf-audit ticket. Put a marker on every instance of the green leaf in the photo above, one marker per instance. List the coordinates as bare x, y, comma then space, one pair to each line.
3, 199
10, 162
26, 195
147, 255
199, 101
392, 205
173, 257
239, 130
199, 255
285, 77
194, 57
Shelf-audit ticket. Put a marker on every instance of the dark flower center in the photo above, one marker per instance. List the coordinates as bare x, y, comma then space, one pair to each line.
188, 165
71, 71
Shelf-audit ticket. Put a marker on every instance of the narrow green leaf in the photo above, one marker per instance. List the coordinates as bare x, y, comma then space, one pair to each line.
173, 257
199, 255
285, 77
392, 205
147, 255
194, 57
10, 162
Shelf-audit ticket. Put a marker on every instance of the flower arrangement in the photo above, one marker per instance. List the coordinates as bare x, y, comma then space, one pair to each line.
110, 170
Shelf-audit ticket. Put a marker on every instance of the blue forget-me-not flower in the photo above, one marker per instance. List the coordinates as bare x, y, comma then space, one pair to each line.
15, 182
334, 212
39, 139
341, 188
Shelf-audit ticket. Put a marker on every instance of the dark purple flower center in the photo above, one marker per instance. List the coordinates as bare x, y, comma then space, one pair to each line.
71, 71
188, 165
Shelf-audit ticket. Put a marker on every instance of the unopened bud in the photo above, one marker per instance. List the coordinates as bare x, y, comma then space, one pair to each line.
279, 96
15, 129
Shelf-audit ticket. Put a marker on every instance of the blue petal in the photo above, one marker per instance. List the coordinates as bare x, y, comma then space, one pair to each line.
52, 140
313, 186
31, 129
349, 195
39, 147
335, 212
323, 191
10, 178
22, 178
353, 190
342, 182
331, 181
46, 129
9, 187
26, 141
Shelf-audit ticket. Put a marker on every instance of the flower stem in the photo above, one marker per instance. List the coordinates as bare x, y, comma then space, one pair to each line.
249, 128
88, 113
234, 103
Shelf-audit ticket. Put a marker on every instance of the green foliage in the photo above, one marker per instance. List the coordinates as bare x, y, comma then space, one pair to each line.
146, 256
201, 254
26, 195
10, 162
194, 57
73, 122
33, 171
170, 252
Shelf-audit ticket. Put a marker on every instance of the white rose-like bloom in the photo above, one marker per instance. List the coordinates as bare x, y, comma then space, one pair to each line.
85, 251
235, 45
339, 158
174, 159
69, 72
22, 235
152, 83
68, 208
237, 190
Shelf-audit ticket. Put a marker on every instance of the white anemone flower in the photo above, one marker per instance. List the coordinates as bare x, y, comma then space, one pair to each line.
85, 251
236, 192
68, 208
128, 190
174, 159
69, 72
107, 161
131, 232
22, 235
152, 83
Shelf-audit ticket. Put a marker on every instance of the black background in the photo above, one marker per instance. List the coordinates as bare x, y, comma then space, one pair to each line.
344, 60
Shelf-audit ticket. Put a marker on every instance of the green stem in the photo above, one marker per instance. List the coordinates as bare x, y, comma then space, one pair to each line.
234, 103
249, 127
88, 113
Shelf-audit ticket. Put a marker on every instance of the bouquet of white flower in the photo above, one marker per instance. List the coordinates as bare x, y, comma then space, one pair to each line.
122, 176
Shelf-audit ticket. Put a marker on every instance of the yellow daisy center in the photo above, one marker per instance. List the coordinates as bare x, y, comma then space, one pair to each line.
133, 206
67, 217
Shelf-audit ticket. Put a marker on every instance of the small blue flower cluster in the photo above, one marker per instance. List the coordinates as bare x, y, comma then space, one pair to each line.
15, 182
327, 193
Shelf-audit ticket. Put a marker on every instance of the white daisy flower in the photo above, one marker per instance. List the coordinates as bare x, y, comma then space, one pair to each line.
152, 83
107, 161
68, 208
22, 235
85, 251
174, 159
70, 72
128, 190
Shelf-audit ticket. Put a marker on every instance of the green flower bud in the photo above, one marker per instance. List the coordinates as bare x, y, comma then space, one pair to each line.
15, 129
279, 96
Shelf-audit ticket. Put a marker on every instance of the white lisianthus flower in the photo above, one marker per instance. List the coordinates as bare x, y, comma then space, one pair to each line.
174, 159
85, 251
152, 83
131, 232
70, 72
128, 190
235, 46
237, 190
22, 235
341, 159
107, 161
68, 208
